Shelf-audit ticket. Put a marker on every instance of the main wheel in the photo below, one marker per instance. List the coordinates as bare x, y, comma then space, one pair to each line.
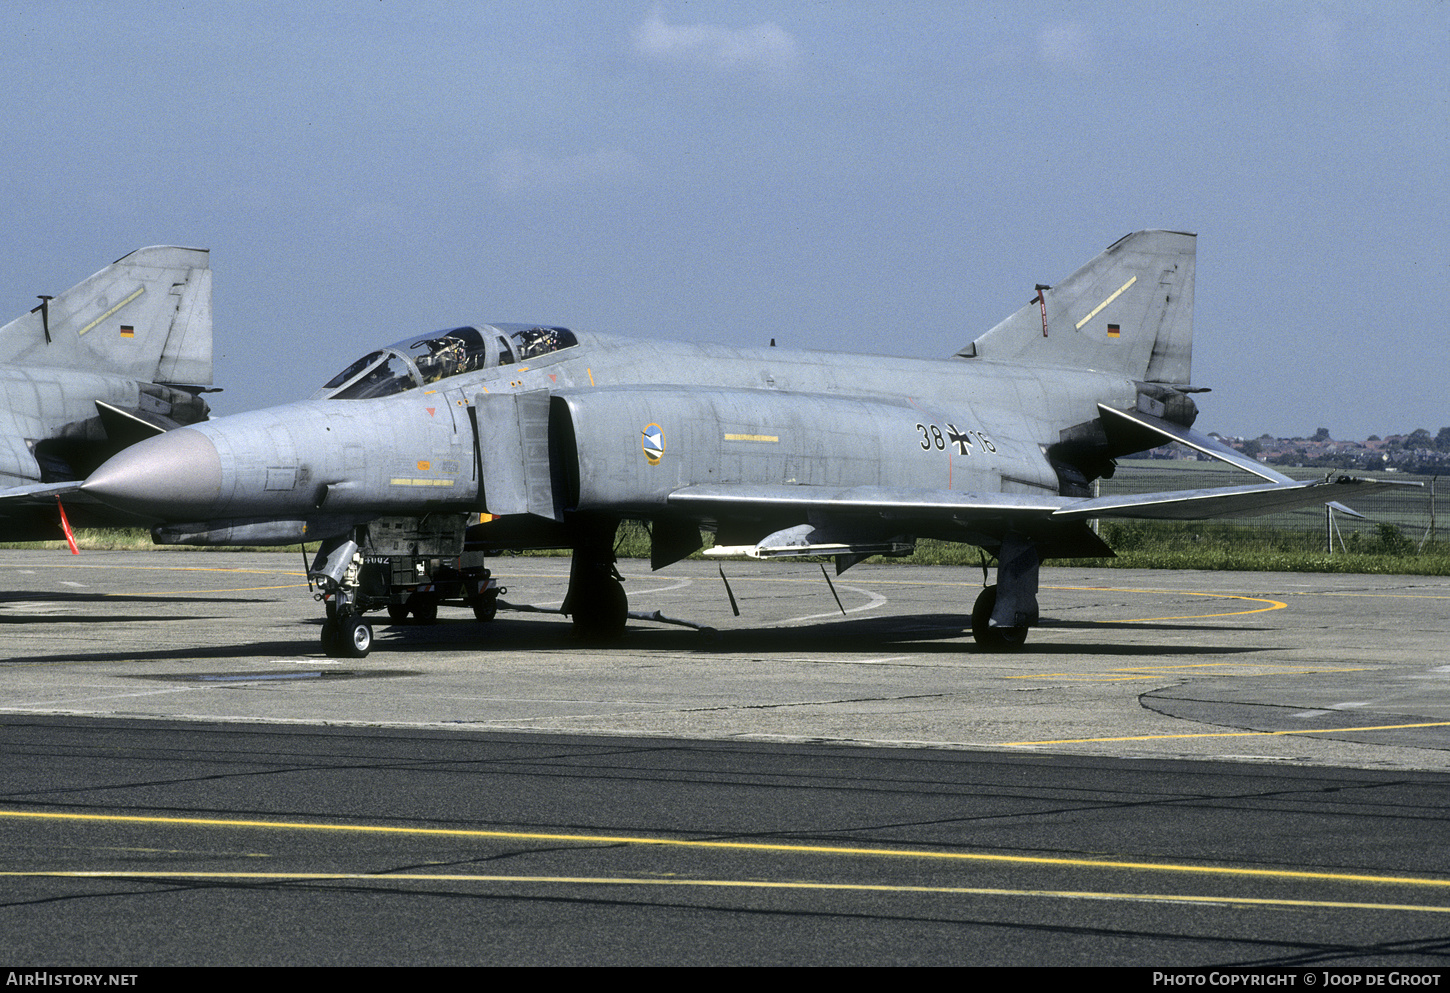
600, 611
993, 639
398, 612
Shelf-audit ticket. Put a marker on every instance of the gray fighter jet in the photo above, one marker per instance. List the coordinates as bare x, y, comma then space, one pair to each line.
120, 357
557, 436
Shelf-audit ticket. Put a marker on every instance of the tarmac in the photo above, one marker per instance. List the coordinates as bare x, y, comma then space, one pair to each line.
1310, 669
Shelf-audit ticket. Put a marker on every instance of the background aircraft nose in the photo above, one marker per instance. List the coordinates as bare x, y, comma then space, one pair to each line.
175, 476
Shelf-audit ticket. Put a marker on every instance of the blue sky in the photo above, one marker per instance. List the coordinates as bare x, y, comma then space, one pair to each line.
837, 175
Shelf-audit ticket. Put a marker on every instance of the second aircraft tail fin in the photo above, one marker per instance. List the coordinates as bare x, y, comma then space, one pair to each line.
146, 316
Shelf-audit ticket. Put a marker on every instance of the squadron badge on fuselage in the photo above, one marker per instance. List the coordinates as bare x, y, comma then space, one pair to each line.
652, 440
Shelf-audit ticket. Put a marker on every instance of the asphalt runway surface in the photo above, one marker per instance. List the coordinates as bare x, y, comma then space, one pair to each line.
1180, 769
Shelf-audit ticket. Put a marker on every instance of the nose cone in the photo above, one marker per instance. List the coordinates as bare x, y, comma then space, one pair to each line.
176, 476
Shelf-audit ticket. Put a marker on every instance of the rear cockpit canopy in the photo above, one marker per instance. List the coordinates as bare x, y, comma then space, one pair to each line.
414, 362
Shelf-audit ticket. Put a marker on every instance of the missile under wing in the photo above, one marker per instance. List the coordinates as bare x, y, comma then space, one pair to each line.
555, 436
121, 356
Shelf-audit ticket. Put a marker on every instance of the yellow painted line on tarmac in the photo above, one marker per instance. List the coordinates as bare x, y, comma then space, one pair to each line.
753, 884
1403, 596
237, 589
1150, 671
1222, 665
184, 568
754, 846
1273, 604
154, 568
1069, 678
1228, 734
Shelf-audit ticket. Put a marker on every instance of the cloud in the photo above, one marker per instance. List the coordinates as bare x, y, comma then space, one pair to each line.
519, 172
765, 50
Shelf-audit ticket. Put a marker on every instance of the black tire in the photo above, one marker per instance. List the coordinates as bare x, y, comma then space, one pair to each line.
988, 638
600, 614
398, 612
331, 637
485, 608
424, 607
355, 638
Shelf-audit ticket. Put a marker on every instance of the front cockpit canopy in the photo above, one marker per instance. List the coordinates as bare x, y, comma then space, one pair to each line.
417, 361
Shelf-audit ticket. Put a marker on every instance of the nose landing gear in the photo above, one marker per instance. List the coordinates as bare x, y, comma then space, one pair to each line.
336, 569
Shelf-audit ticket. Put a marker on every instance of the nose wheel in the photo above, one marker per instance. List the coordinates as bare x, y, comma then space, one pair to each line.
348, 637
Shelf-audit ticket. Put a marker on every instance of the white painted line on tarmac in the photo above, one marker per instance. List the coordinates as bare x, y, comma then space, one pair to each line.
92, 699
677, 584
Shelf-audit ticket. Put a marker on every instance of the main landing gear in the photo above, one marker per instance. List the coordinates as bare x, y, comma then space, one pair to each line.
1004, 612
988, 637
596, 600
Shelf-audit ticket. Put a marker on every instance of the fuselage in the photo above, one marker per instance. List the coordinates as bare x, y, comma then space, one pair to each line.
645, 418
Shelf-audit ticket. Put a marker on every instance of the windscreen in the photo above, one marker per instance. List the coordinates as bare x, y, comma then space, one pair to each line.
391, 374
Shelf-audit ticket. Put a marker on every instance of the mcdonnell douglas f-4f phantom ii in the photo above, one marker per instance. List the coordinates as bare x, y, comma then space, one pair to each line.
117, 358
560, 435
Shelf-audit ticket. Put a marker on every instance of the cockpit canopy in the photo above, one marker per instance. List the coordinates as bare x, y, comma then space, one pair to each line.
417, 361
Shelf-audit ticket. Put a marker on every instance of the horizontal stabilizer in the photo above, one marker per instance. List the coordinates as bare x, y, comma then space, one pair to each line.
126, 427
1137, 431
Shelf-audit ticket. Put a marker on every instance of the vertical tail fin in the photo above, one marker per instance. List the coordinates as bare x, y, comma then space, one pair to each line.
146, 316
1128, 311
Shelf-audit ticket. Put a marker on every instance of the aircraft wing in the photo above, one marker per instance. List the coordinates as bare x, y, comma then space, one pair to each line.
15, 499
39, 493
902, 503
859, 521
882, 501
